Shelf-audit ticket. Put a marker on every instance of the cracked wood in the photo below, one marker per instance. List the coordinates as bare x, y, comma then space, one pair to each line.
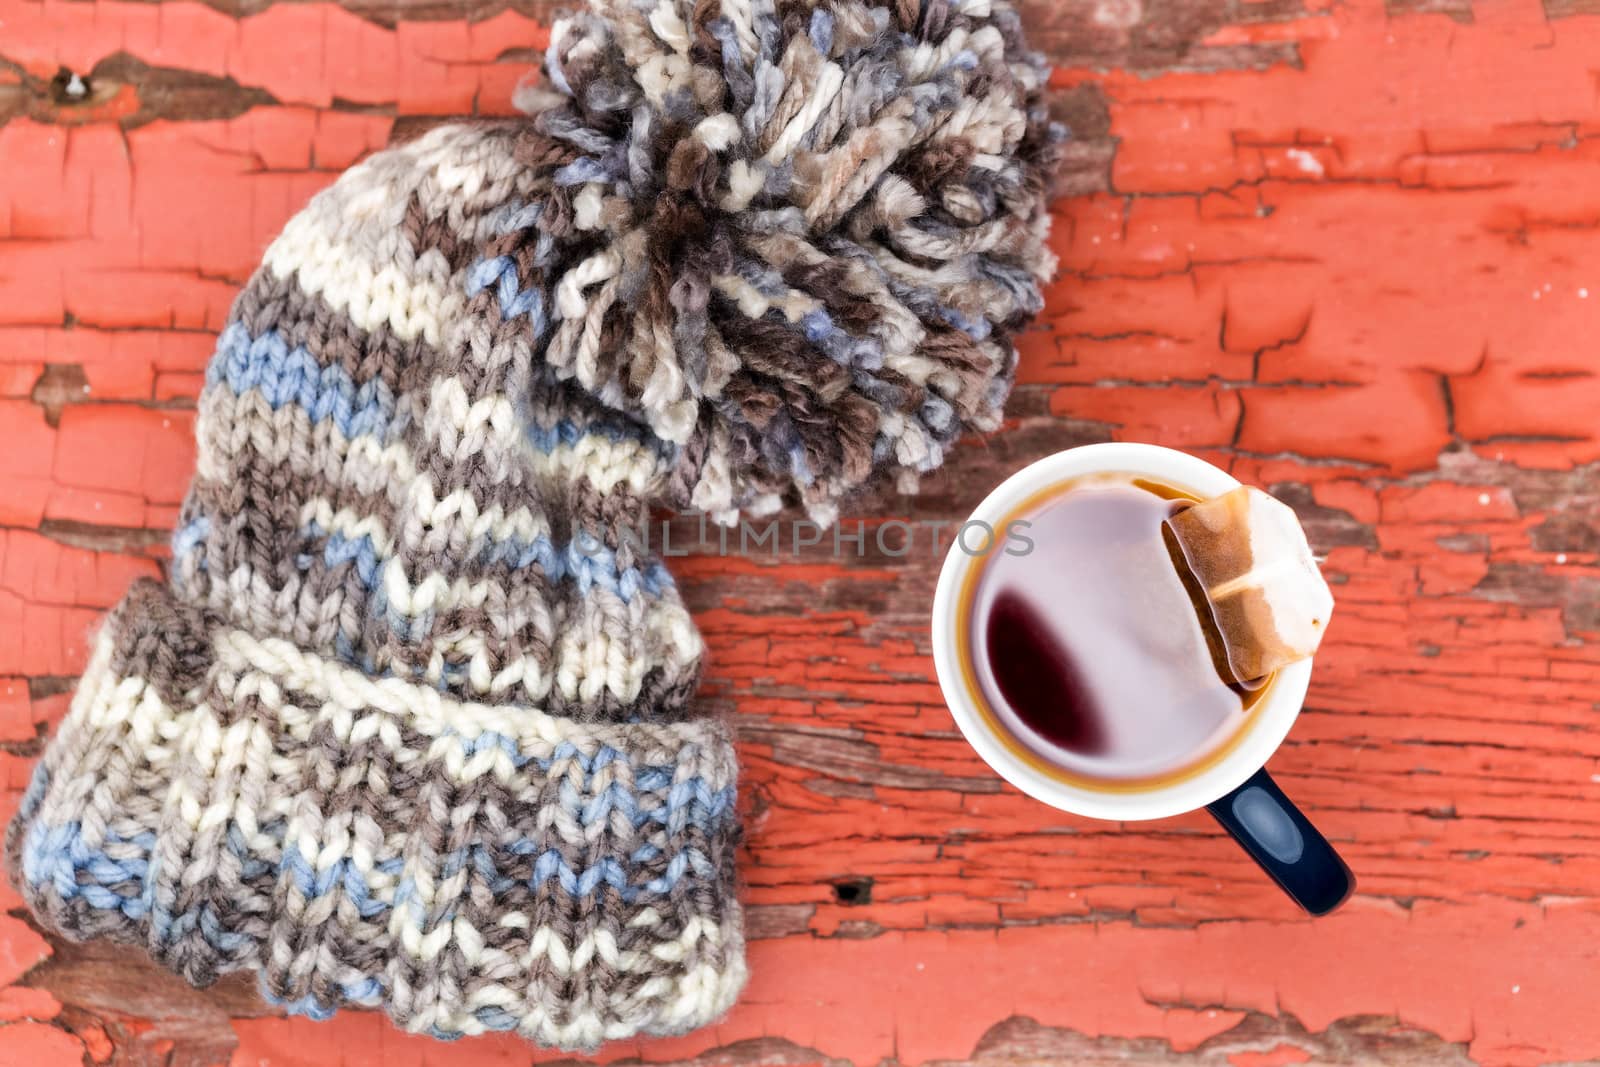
1340, 249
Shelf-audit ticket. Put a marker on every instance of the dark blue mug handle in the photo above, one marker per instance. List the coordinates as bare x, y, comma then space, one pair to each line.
1285, 843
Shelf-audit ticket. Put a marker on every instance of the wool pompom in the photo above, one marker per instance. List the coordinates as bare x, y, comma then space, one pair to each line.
793, 238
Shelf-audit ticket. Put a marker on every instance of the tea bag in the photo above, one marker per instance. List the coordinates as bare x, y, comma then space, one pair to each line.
1249, 558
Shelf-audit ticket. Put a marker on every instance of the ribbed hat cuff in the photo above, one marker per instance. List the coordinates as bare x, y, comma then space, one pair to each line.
236, 803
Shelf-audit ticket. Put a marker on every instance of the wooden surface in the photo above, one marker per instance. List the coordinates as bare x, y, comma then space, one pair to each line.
1346, 250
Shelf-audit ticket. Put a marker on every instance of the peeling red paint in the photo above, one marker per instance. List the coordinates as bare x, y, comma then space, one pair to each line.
21, 1002
1281, 1056
20, 949
29, 1044
1342, 250
16, 712
96, 1042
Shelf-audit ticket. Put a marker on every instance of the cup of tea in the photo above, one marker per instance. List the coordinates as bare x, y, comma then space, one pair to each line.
1076, 659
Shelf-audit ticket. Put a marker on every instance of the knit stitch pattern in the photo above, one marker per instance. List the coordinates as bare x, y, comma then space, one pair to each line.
411, 725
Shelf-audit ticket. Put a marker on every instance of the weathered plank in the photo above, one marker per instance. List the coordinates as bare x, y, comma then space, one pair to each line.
1338, 249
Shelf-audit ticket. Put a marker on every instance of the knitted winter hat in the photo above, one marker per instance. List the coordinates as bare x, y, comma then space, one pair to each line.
412, 724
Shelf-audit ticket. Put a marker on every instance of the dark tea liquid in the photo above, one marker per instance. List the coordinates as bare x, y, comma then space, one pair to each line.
1089, 650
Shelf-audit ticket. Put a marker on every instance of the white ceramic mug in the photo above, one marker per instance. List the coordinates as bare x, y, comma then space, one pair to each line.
1235, 787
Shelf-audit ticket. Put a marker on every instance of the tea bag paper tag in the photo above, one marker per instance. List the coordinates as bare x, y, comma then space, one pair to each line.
1249, 555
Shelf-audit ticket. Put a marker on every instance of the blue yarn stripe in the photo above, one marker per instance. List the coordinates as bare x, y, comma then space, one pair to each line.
500, 273
58, 856
284, 375
292, 376
587, 566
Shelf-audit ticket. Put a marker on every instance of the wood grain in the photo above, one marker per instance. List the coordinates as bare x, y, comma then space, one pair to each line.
1342, 250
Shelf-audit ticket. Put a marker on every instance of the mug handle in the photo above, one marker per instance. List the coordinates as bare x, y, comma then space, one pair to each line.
1284, 843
